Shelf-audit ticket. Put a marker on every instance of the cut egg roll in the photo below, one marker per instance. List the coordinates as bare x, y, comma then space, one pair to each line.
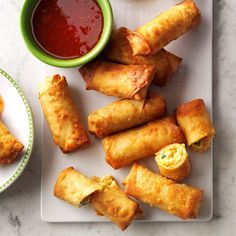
126, 113
123, 81
119, 51
113, 203
61, 114
173, 161
168, 26
157, 191
75, 188
194, 120
10, 147
125, 147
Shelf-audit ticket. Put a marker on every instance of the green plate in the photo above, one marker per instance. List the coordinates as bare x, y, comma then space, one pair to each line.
17, 116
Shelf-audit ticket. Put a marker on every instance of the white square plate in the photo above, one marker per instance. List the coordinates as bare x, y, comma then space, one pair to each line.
193, 80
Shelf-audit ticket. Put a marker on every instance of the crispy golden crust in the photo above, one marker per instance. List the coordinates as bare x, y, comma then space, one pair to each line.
61, 114
113, 203
119, 50
173, 161
168, 26
170, 119
1, 104
193, 118
125, 147
123, 81
157, 191
10, 147
75, 188
126, 113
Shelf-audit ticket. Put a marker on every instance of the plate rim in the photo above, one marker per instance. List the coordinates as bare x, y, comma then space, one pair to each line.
28, 152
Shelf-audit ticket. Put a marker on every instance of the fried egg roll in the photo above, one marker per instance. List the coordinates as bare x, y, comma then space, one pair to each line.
157, 191
75, 188
113, 203
126, 113
123, 148
173, 161
61, 114
10, 147
168, 26
194, 120
119, 51
123, 81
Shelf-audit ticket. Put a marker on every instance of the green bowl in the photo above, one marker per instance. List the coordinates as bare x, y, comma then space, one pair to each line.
25, 20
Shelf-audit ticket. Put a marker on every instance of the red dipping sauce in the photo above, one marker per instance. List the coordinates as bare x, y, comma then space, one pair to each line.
67, 28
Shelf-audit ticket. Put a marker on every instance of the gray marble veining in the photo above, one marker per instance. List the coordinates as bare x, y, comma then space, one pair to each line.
20, 204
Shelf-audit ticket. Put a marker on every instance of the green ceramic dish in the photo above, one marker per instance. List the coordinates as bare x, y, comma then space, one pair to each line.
25, 19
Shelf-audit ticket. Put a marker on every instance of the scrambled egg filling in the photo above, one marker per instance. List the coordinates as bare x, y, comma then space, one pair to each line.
171, 155
202, 144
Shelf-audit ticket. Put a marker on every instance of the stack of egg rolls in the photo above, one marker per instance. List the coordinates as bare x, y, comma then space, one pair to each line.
119, 51
168, 26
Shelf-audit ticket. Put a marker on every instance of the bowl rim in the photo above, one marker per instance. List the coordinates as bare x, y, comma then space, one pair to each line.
34, 48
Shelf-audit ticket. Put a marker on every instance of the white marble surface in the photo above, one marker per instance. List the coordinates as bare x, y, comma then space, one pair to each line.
20, 204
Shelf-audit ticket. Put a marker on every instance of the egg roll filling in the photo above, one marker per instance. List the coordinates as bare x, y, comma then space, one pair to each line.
75, 188
172, 155
173, 161
202, 144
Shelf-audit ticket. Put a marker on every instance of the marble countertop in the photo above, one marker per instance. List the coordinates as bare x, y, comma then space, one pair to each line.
20, 204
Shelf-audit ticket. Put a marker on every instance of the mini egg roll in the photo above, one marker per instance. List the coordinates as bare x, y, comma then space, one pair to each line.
61, 114
194, 120
168, 26
123, 148
119, 51
123, 81
173, 161
126, 113
75, 188
157, 191
113, 203
10, 147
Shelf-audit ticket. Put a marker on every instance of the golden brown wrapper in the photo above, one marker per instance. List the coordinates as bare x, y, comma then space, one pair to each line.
168, 26
75, 188
123, 81
157, 191
61, 114
119, 51
194, 120
113, 203
126, 113
170, 119
123, 148
173, 161
1, 104
10, 147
